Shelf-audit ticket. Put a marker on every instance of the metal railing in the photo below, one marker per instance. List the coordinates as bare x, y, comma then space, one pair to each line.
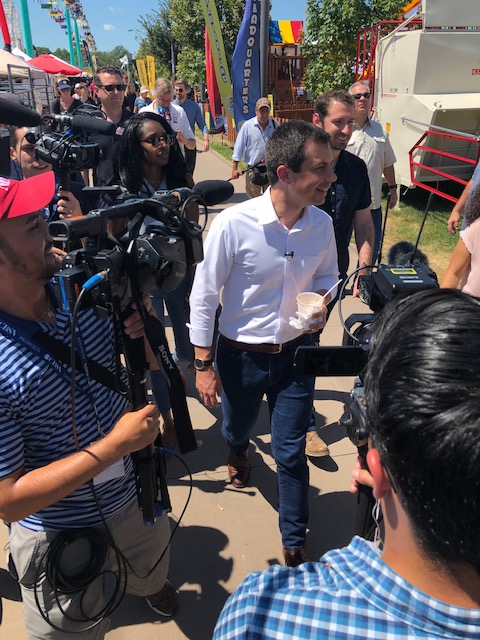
440, 144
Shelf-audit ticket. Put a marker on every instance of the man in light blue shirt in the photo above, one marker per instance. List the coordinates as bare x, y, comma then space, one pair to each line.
195, 116
250, 143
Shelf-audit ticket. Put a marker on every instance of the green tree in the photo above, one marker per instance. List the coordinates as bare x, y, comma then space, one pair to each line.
41, 50
112, 57
157, 40
179, 24
62, 54
331, 38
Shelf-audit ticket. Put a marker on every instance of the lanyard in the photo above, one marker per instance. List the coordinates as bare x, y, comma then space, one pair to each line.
16, 334
12, 331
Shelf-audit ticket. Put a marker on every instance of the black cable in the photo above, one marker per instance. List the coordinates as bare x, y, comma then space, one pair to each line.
100, 542
341, 296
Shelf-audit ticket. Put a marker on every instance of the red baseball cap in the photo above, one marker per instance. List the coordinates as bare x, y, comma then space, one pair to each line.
20, 197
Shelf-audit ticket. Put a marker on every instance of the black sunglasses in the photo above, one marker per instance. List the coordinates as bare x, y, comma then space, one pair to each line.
179, 90
110, 87
357, 96
156, 141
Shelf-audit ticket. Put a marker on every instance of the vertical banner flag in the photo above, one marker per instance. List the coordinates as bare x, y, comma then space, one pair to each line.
214, 99
150, 71
142, 72
246, 65
218, 50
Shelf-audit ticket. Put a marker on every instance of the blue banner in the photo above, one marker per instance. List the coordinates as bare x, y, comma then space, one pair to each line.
246, 65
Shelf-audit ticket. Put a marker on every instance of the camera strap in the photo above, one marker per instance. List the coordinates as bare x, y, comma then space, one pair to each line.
44, 346
183, 425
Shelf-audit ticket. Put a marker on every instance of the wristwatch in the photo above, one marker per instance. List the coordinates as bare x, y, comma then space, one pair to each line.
392, 186
202, 365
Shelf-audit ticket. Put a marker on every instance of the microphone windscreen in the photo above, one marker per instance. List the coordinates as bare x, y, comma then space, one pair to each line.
214, 191
93, 123
18, 115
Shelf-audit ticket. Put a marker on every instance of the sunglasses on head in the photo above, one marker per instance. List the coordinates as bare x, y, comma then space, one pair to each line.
357, 96
111, 87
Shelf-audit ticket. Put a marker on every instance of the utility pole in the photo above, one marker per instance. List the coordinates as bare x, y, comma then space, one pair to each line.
264, 46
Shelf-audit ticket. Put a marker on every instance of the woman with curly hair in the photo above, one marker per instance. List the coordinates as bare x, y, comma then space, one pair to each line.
465, 260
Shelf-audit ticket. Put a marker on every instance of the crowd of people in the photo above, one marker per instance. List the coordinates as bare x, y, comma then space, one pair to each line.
67, 482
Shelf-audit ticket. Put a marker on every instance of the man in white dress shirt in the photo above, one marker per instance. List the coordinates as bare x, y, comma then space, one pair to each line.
174, 115
261, 254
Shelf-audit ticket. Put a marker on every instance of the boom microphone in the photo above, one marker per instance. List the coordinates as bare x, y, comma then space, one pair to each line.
214, 191
18, 115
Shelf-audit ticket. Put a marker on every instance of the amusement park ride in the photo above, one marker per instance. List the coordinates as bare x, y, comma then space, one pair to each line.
70, 17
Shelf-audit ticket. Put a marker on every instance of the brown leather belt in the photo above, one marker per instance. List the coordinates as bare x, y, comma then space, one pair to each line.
260, 348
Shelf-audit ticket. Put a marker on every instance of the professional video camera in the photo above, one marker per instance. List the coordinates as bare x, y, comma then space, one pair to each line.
110, 272
62, 141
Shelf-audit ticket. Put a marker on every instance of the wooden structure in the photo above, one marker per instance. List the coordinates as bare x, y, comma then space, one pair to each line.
286, 66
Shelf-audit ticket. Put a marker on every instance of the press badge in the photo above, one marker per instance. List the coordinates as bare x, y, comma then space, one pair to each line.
115, 470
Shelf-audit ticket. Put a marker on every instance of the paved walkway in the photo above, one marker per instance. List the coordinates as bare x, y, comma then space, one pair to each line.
227, 533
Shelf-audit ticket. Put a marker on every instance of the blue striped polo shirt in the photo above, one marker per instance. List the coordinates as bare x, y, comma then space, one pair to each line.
36, 421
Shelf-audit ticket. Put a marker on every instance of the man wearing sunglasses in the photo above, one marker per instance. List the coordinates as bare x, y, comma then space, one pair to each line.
109, 87
370, 142
195, 116
173, 114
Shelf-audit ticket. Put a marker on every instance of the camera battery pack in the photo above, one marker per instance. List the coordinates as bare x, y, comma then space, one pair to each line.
388, 281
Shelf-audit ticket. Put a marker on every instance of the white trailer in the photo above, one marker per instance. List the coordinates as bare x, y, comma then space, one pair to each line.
426, 88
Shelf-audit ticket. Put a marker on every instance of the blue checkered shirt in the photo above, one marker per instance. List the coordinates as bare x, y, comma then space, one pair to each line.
349, 594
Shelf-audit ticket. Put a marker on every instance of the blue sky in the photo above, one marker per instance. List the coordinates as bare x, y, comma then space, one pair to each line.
114, 22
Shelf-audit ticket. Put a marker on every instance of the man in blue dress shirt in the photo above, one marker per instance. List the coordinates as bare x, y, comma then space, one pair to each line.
195, 117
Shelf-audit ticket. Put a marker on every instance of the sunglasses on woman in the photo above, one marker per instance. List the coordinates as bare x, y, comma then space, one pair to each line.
156, 141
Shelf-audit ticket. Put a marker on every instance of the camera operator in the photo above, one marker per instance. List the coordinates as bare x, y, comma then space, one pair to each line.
67, 486
64, 204
422, 384
109, 88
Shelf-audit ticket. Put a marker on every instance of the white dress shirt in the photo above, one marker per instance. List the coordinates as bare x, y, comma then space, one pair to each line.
178, 120
262, 267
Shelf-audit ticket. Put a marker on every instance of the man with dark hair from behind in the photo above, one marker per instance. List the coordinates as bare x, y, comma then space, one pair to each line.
422, 384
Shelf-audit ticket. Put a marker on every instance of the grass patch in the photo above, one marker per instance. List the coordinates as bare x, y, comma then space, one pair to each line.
403, 223
221, 145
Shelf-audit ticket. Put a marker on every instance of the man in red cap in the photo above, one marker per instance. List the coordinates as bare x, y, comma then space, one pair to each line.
67, 483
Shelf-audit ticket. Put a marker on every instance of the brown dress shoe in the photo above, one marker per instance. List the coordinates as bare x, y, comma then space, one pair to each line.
238, 468
294, 558
315, 447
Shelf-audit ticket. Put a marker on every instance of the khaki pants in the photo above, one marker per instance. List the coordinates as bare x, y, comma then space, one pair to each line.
253, 190
141, 545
